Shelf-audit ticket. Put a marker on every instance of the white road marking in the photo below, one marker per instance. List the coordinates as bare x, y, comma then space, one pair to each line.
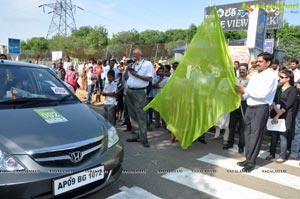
263, 154
213, 186
275, 176
133, 193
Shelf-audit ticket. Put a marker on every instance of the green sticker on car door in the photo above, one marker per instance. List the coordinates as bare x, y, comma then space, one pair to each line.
51, 116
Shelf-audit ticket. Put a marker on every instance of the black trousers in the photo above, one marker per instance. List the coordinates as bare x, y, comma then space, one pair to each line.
236, 125
255, 124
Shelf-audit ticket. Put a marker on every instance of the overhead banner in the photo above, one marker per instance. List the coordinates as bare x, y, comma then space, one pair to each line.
236, 16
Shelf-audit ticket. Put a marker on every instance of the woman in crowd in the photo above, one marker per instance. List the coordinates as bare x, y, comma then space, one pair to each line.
72, 77
283, 107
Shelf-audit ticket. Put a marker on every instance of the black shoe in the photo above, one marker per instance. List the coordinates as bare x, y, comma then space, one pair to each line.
145, 144
227, 146
132, 140
243, 163
241, 150
203, 141
270, 157
248, 168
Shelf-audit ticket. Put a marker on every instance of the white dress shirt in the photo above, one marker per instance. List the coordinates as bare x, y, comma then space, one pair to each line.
261, 88
143, 68
111, 87
296, 74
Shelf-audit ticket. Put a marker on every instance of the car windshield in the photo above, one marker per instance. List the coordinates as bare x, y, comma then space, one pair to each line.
23, 84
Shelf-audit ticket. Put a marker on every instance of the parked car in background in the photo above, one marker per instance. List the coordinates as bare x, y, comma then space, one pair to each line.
51, 144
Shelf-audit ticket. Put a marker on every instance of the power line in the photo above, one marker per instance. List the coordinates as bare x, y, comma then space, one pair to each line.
63, 21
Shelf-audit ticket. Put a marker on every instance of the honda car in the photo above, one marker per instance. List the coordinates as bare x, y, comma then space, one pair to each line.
51, 144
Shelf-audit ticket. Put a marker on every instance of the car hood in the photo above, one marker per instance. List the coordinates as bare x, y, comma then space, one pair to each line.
25, 129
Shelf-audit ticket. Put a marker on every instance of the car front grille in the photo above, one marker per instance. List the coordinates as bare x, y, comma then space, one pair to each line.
68, 154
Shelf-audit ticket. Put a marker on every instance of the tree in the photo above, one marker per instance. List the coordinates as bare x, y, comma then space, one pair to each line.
83, 31
289, 40
60, 42
234, 35
25, 46
37, 43
152, 37
175, 35
126, 37
191, 32
97, 37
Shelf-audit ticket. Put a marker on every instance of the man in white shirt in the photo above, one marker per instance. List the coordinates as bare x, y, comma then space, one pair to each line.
138, 77
294, 67
259, 94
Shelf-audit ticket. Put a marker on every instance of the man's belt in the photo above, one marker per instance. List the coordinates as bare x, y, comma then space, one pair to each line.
137, 88
257, 106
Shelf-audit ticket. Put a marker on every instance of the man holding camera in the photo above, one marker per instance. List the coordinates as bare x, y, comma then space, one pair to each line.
138, 77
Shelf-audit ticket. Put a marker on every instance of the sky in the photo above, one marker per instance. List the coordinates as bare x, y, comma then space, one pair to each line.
23, 19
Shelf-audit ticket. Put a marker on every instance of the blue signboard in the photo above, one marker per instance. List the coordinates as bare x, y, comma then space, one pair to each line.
14, 46
261, 29
269, 45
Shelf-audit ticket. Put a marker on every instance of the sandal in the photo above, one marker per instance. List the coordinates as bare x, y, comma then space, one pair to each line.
216, 138
279, 160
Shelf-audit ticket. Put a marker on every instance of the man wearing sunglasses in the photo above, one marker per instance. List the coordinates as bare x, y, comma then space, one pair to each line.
259, 94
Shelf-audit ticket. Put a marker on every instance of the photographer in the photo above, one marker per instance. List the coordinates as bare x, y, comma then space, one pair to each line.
138, 77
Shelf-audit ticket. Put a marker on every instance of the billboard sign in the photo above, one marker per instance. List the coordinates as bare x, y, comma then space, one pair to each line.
235, 16
14, 46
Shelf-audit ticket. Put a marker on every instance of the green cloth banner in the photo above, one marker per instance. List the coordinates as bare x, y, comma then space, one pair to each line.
202, 88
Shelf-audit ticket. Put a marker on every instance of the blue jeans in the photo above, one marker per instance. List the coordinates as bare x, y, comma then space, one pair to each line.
283, 144
295, 148
90, 91
283, 147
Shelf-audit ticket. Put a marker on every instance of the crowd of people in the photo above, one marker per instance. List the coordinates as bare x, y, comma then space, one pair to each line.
267, 90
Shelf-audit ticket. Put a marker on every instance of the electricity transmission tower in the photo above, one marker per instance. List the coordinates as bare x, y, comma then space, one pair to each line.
63, 21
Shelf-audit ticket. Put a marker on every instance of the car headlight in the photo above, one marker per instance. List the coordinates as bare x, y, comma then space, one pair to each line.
8, 163
113, 137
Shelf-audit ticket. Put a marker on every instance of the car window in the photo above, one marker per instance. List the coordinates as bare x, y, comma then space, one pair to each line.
30, 82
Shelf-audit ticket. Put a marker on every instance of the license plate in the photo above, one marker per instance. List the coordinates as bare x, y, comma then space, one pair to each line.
74, 181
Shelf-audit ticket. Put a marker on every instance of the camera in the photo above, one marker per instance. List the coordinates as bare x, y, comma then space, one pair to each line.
131, 69
129, 61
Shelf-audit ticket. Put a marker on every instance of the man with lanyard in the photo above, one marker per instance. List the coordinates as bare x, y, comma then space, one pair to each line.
138, 77
259, 94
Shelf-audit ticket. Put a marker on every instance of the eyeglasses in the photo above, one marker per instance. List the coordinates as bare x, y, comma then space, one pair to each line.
281, 77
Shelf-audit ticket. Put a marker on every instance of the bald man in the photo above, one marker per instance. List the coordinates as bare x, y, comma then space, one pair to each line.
138, 77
